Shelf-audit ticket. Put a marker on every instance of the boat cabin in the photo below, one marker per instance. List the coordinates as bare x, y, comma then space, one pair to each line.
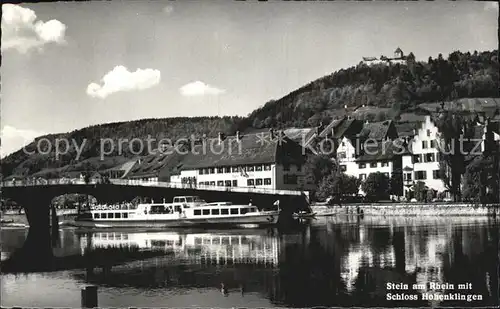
190, 200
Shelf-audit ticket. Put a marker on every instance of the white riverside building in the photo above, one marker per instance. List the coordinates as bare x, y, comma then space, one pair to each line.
416, 157
255, 160
422, 163
380, 139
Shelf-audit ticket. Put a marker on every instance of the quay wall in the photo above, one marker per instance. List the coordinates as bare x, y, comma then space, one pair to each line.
413, 209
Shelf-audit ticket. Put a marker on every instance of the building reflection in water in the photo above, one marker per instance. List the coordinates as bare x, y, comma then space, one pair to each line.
333, 262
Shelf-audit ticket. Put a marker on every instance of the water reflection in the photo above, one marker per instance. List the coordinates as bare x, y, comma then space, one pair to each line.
333, 262
232, 247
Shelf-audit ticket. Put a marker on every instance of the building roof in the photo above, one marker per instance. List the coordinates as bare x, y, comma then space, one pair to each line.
300, 135
71, 174
487, 106
375, 130
341, 127
253, 148
385, 150
407, 129
151, 165
123, 167
332, 125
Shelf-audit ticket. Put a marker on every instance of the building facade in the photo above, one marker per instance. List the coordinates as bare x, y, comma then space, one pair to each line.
422, 163
255, 160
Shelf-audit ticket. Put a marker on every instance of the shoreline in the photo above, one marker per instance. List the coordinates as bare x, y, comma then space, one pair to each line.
409, 209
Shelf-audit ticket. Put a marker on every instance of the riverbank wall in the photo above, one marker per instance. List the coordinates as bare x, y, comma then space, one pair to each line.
410, 209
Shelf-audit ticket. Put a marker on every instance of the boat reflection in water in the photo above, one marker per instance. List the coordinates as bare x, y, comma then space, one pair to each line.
231, 247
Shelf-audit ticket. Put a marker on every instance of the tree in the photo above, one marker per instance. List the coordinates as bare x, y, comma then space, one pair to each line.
376, 186
477, 180
338, 185
455, 129
396, 183
318, 167
420, 190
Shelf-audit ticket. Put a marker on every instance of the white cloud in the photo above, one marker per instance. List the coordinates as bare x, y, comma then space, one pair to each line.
14, 139
198, 89
491, 5
168, 9
120, 79
22, 31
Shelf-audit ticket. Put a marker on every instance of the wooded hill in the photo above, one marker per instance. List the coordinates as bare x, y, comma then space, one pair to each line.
385, 89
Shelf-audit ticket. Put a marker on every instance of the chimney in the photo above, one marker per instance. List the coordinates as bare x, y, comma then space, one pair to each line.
221, 137
271, 131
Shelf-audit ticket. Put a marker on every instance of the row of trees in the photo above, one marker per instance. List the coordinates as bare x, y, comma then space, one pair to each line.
331, 182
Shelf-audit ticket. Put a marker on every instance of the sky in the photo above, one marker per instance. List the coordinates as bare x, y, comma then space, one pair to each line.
70, 65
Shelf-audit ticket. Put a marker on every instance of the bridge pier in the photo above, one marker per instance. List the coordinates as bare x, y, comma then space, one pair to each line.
36, 253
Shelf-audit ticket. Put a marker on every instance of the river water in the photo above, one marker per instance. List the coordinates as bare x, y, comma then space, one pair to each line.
331, 261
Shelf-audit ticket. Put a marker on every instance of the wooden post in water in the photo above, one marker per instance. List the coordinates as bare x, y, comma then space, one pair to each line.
89, 297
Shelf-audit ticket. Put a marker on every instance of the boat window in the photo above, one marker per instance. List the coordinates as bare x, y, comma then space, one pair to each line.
224, 211
158, 243
189, 199
253, 209
96, 216
215, 211
206, 211
110, 215
160, 209
225, 240
216, 241
234, 211
176, 200
244, 210
197, 241
118, 236
206, 241
118, 215
125, 215
197, 212
103, 216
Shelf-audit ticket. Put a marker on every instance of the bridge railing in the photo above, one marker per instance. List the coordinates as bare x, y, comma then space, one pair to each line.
135, 182
178, 185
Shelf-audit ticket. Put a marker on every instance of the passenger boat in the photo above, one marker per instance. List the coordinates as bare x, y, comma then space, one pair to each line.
185, 211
